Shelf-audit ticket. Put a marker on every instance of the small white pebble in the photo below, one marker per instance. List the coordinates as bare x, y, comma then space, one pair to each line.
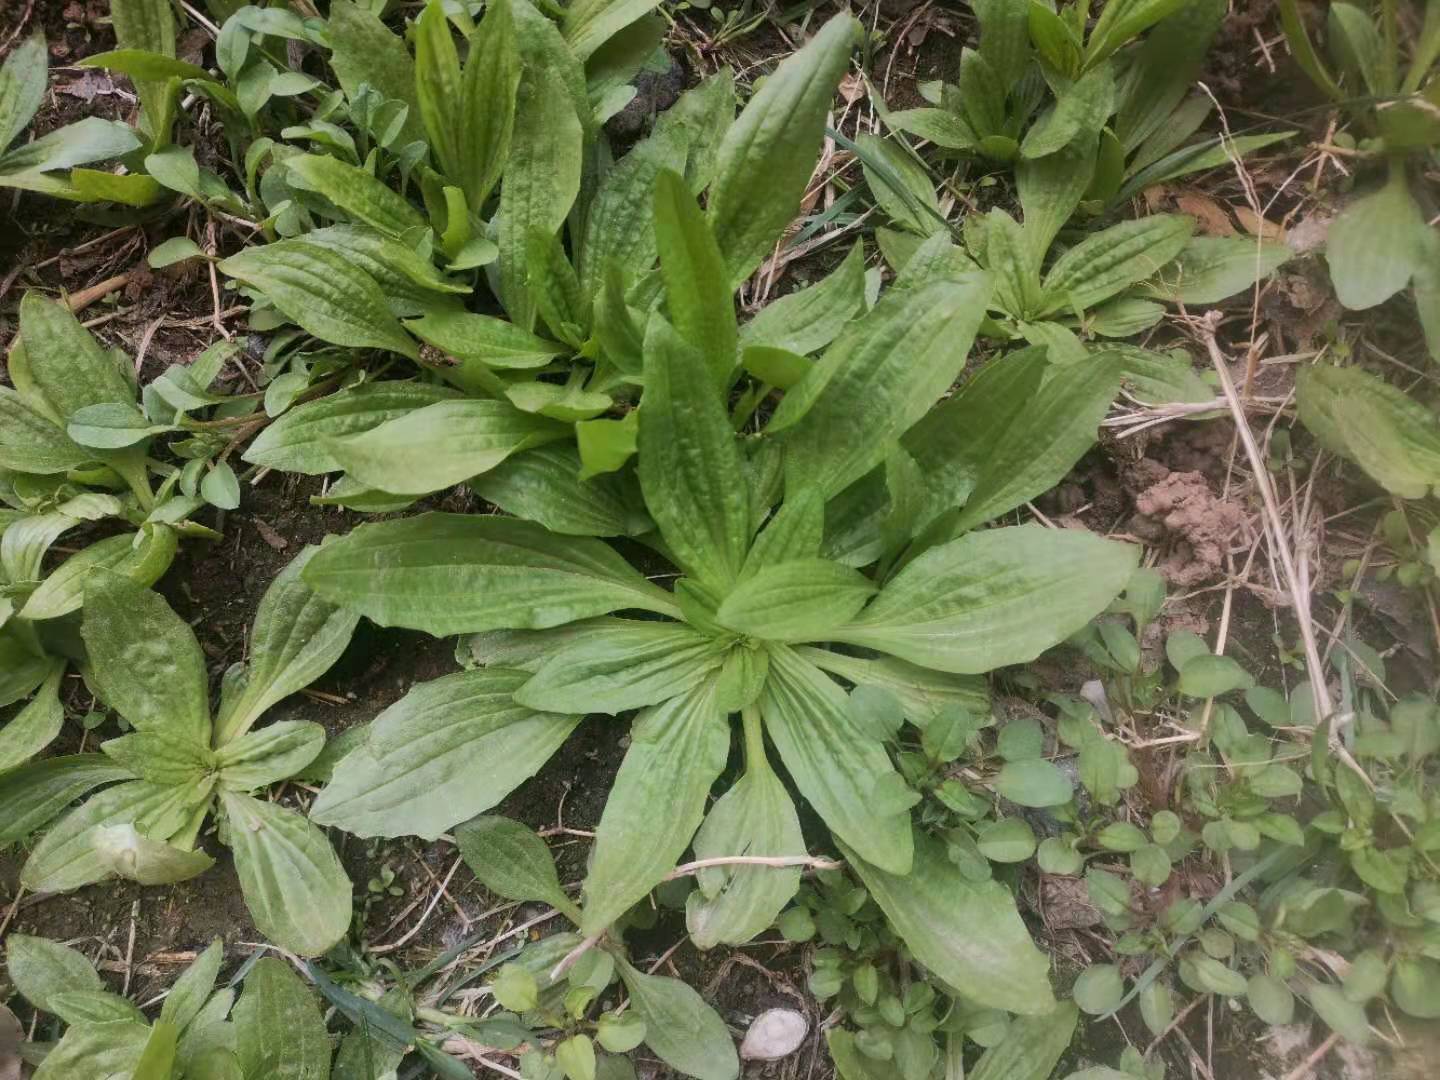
774, 1034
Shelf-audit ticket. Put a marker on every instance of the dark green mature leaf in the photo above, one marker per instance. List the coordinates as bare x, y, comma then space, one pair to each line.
1050, 190
684, 1032
299, 440
1001, 596
808, 320
487, 109
448, 750
590, 23
293, 882
358, 194
364, 52
544, 485
880, 376
964, 932
512, 861
30, 797
42, 969
64, 368
1080, 111
1012, 432
1031, 1047
481, 339
1165, 67
1395, 439
690, 466
613, 665
455, 574
323, 293
697, 289
31, 443
656, 803
35, 726
1109, 262
1211, 268
22, 86
796, 600
836, 765
1121, 20
767, 156
279, 1031
441, 445
144, 659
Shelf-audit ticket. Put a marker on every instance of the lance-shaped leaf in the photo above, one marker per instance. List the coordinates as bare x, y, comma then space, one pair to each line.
544, 485
492, 77
31, 443
765, 161
1079, 112
614, 665
697, 287
836, 765
363, 51
512, 861
456, 574
296, 637
22, 86
42, 969
276, 752
656, 802
966, 933
448, 750
144, 659
441, 445
144, 563
590, 23
35, 726
1014, 431
685, 1033
279, 1030
754, 818
1050, 189
878, 378
323, 293
798, 600
1110, 262
924, 694
293, 882
481, 339
192, 989
620, 222
23, 666
125, 851
794, 532
996, 597
1031, 1047
690, 466
809, 319
438, 88
64, 368
354, 191
411, 284
1211, 268
30, 797
149, 25
299, 440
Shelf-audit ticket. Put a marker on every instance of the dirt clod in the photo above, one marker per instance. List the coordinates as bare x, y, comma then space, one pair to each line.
1181, 511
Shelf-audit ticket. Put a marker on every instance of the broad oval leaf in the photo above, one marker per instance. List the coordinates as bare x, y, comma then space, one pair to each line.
456, 574
31, 443
512, 861
1375, 245
41, 969
279, 1031
680, 1027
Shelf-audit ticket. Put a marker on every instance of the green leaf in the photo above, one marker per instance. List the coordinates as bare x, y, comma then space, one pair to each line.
1010, 257
482, 340
279, 1031
765, 161
1109, 262
682, 1030
31, 443
64, 369
1210, 676
900, 185
42, 969
80, 143
690, 466
512, 861
358, 194
277, 752
880, 376
93, 1006
965, 933
656, 803
455, 574
945, 129
440, 445
1376, 245
1393, 438
1012, 432
620, 222
606, 445
365, 52
590, 23
797, 600
22, 86
1121, 20
697, 290
322, 293
1050, 189
160, 757
576, 1057
169, 252
992, 598
192, 989
1341, 1015
148, 25
409, 281
145, 66
613, 665
300, 439
1099, 989
620, 1034
1079, 112
1415, 987
1035, 782
144, 660
487, 109
96, 1051
544, 485
438, 91
1009, 840
1270, 999
809, 319
1210, 268
834, 763
449, 749
143, 563
30, 797
35, 726
297, 635
293, 882
125, 851
923, 693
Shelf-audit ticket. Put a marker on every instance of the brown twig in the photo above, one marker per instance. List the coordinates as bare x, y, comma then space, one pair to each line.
79, 301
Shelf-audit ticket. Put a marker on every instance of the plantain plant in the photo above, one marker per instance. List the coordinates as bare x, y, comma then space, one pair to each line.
274, 1028
182, 763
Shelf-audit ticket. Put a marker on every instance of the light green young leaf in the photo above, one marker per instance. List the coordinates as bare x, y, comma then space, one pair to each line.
455, 574
613, 665
680, 1028
809, 319
1211, 268
35, 726
1014, 264
794, 532
22, 86
358, 194
590, 23
487, 110
276, 752
299, 440
438, 87
512, 861
544, 485
42, 969
690, 466
833, 762
279, 1031
1034, 782
965, 933
1376, 245
1001, 596
323, 293
31, 442
697, 289
96, 1051
656, 803
767, 156
449, 749
795, 600
144, 659
293, 882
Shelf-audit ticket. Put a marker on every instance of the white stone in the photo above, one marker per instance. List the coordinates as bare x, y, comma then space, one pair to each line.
774, 1034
